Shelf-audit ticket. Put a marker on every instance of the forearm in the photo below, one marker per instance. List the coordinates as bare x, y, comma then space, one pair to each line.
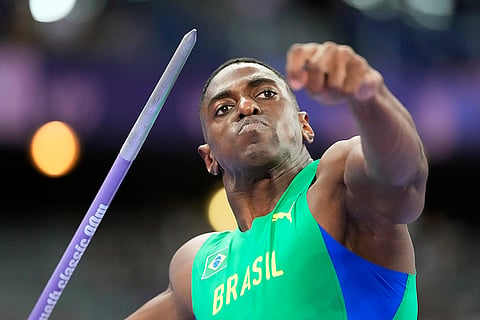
331, 73
390, 142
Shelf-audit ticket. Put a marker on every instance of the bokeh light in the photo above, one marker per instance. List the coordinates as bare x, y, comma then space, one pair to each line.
54, 149
220, 215
94, 70
50, 11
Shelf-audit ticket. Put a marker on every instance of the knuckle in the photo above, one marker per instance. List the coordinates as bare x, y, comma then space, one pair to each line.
330, 44
345, 49
298, 48
359, 63
361, 60
295, 47
377, 77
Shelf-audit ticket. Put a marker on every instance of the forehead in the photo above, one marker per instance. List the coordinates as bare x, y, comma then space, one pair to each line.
234, 75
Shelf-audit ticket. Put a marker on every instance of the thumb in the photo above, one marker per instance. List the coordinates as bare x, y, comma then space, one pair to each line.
369, 86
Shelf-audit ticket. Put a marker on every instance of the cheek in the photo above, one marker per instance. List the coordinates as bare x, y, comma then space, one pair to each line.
290, 132
295, 136
217, 132
220, 141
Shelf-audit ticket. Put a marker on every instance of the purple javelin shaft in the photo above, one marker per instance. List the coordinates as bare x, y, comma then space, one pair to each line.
72, 255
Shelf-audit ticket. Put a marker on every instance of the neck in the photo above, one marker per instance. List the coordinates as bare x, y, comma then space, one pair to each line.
256, 192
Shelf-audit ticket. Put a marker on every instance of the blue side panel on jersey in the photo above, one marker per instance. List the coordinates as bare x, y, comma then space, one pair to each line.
369, 290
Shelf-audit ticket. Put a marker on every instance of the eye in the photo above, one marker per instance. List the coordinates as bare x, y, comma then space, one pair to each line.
223, 109
266, 94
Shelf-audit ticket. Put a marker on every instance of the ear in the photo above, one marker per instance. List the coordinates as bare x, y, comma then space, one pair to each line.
307, 131
210, 162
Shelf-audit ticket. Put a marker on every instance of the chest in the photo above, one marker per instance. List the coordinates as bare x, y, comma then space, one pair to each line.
277, 268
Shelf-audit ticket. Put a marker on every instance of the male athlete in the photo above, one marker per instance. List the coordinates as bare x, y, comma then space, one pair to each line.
324, 239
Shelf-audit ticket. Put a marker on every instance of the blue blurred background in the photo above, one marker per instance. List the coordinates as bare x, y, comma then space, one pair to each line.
95, 69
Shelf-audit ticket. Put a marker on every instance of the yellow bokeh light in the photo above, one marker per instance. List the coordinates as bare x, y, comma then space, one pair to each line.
54, 149
220, 215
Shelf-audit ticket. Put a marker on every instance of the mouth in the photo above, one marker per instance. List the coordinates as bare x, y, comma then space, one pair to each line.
251, 126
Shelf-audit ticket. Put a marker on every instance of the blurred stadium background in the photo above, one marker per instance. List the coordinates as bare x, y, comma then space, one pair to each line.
92, 65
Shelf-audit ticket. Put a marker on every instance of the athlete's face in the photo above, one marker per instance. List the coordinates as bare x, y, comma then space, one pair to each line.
249, 119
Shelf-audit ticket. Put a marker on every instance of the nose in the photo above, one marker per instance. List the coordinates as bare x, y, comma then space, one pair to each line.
248, 107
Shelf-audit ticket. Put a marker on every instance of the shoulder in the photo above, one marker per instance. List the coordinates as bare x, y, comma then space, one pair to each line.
357, 211
189, 249
326, 195
182, 260
341, 148
180, 270
332, 163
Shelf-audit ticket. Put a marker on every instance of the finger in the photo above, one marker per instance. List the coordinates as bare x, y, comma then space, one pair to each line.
338, 70
298, 57
357, 71
319, 68
317, 75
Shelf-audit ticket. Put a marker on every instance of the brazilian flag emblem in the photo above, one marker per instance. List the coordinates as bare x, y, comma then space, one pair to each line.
215, 262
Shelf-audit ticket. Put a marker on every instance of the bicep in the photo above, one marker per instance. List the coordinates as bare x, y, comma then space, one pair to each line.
368, 197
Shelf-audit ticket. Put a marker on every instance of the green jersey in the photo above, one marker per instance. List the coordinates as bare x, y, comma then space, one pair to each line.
288, 267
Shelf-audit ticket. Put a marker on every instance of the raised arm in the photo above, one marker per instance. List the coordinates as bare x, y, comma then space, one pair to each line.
385, 169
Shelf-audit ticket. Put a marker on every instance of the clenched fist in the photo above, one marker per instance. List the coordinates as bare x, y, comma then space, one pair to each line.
331, 73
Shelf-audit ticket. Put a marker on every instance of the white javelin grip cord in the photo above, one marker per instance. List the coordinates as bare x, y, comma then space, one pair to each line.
72, 255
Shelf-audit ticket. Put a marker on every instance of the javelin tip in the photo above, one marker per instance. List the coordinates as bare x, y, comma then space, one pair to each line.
191, 36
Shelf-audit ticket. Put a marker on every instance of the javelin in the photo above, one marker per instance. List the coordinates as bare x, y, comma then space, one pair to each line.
70, 259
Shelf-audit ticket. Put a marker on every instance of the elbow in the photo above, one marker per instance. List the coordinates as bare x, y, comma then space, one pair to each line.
415, 198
